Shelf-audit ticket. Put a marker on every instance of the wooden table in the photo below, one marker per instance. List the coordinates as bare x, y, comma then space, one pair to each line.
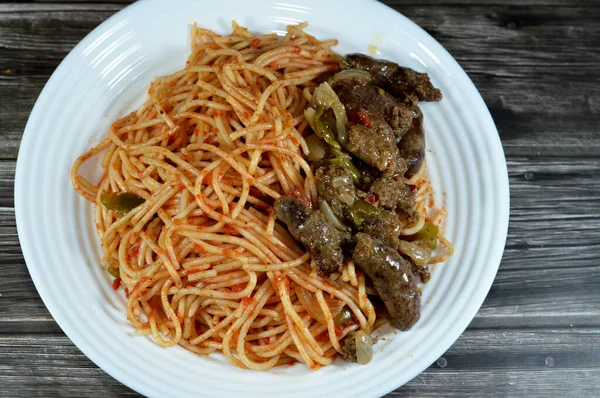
537, 65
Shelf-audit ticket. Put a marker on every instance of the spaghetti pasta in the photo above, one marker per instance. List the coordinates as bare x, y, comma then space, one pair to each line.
202, 260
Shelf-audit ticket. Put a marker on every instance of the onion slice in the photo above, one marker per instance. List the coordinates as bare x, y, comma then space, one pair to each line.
341, 181
420, 255
346, 198
316, 147
309, 115
351, 74
325, 97
310, 303
328, 213
364, 347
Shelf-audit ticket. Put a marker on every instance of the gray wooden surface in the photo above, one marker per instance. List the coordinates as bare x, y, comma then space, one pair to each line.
537, 65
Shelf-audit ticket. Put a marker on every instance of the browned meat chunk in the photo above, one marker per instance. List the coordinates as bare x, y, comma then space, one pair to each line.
375, 149
400, 118
368, 105
335, 186
385, 226
311, 229
412, 149
368, 176
393, 195
392, 278
349, 349
395, 79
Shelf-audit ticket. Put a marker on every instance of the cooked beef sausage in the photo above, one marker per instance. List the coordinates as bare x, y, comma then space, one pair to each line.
311, 229
412, 149
349, 348
385, 226
397, 80
401, 117
393, 195
335, 186
368, 104
375, 149
368, 176
392, 278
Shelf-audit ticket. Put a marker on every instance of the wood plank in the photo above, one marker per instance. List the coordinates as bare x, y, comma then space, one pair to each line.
553, 201
52, 366
568, 383
471, 3
549, 275
555, 362
558, 195
7, 183
545, 361
34, 38
544, 104
528, 299
545, 3
535, 68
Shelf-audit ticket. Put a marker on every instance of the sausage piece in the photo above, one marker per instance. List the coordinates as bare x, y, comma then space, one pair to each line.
362, 99
311, 229
412, 149
392, 278
375, 149
333, 183
392, 195
395, 79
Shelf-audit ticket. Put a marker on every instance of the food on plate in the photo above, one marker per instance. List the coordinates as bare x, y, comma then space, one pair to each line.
270, 201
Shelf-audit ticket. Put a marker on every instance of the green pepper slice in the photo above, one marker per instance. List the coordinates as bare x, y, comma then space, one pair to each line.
429, 234
345, 162
344, 316
361, 211
120, 203
324, 127
114, 271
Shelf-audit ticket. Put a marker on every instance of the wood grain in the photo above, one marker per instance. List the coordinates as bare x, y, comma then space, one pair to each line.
560, 361
535, 63
536, 67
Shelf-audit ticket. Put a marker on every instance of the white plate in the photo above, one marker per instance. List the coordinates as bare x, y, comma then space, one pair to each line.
108, 73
